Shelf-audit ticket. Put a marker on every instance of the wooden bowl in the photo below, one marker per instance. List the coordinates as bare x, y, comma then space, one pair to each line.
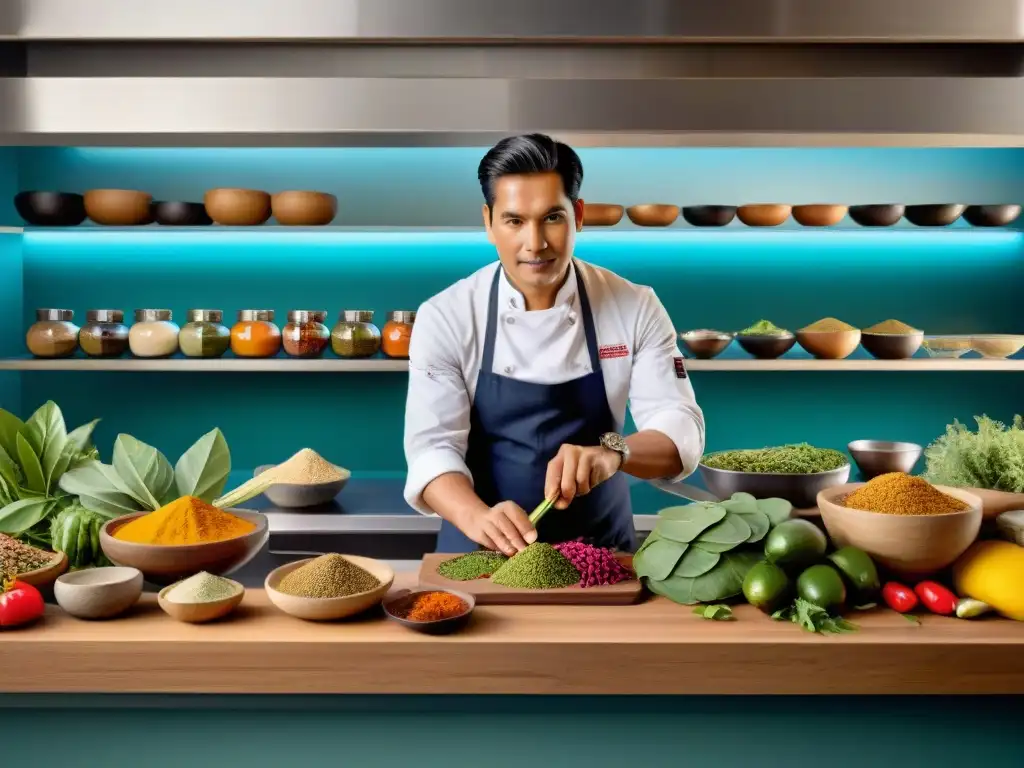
161, 564
119, 207
45, 576
997, 345
296, 208
829, 345
908, 545
237, 207
766, 346
934, 215
991, 215
50, 209
653, 214
819, 215
706, 343
892, 346
199, 613
295, 496
179, 214
98, 593
764, 215
709, 215
330, 608
601, 214
877, 215
396, 604
994, 503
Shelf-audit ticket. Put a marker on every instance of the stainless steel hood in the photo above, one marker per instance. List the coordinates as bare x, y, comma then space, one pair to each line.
456, 72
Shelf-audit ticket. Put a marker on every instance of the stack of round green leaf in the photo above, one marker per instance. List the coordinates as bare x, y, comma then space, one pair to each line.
700, 553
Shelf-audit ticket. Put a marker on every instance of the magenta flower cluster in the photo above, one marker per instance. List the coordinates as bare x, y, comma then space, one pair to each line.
598, 566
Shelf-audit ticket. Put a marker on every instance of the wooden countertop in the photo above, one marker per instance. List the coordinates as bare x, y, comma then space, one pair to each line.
655, 647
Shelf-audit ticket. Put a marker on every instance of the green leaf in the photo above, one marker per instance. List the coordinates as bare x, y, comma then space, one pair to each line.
759, 525
696, 562
911, 618
8, 469
715, 612
81, 437
23, 514
675, 588
60, 467
659, 559
740, 502
777, 510
145, 471
686, 523
46, 433
10, 427
732, 531
725, 580
100, 489
203, 469
35, 480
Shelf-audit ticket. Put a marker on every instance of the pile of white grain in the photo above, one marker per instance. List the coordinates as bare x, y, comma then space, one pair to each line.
307, 467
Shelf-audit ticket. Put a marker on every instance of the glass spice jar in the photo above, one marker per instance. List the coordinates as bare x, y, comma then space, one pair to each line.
52, 334
398, 333
306, 335
255, 335
154, 334
355, 335
104, 333
204, 335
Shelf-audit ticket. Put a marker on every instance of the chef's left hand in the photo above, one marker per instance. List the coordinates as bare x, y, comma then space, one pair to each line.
576, 469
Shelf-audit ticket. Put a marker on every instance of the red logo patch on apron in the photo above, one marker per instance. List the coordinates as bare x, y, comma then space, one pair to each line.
613, 350
680, 364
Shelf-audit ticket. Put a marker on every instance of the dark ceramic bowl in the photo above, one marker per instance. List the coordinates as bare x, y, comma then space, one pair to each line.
396, 604
991, 215
767, 347
934, 215
877, 215
709, 215
892, 346
50, 209
178, 214
706, 343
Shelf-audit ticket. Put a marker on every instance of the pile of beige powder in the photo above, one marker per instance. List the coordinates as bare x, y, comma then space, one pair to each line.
307, 467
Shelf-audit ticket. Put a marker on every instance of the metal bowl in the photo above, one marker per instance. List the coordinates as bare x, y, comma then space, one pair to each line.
800, 490
706, 343
294, 496
876, 457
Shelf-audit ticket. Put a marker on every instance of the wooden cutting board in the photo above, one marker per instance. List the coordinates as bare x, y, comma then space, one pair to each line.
488, 593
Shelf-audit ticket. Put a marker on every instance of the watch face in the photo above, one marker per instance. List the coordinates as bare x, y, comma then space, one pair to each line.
613, 441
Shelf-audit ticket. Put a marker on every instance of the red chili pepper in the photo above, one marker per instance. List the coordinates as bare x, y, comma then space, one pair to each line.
936, 598
20, 603
898, 597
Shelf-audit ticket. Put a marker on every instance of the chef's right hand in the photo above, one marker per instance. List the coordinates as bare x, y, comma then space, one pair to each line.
505, 527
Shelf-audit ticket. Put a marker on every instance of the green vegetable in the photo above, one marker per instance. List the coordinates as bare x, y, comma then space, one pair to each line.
141, 478
702, 552
813, 618
822, 586
764, 328
75, 531
539, 566
860, 573
472, 565
715, 612
798, 459
992, 457
968, 608
795, 544
767, 587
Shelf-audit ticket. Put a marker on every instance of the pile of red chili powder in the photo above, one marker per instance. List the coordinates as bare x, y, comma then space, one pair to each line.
598, 566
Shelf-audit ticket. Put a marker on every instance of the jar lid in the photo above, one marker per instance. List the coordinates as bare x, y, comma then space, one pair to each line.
55, 314
402, 316
306, 316
205, 315
104, 316
357, 315
152, 315
249, 315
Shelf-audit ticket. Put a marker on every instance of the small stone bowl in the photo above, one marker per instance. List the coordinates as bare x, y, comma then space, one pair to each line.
98, 593
295, 496
395, 605
199, 613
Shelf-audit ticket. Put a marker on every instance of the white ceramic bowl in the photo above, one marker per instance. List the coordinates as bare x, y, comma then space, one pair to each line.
98, 593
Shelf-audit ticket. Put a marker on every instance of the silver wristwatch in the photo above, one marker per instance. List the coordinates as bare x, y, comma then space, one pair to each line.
617, 443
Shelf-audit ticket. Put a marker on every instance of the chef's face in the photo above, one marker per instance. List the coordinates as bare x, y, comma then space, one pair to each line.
533, 225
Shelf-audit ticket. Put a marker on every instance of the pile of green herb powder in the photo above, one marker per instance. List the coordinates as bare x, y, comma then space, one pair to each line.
202, 588
473, 565
539, 566
797, 459
764, 328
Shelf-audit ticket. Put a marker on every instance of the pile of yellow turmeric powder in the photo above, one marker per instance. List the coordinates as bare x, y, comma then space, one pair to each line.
897, 493
187, 520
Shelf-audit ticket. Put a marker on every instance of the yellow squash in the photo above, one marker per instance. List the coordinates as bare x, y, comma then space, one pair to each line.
993, 572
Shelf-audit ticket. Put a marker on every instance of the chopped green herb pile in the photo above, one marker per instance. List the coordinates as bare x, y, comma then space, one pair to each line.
992, 457
800, 458
473, 565
764, 328
813, 618
539, 566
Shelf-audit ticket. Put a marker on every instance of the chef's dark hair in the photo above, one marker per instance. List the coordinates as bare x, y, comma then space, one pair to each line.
530, 153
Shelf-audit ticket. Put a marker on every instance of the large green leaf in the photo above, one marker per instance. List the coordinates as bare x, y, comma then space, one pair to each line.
686, 523
10, 427
676, 588
203, 469
81, 436
732, 530
22, 515
740, 502
46, 433
759, 525
777, 510
35, 480
144, 470
696, 562
658, 560
725, 579
99, 488
8, 469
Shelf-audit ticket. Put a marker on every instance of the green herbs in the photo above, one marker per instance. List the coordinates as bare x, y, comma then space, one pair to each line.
814, 618
992, 457
473, 565
764, 328
539, 566
16, 558
798, 459
701, 553
715, 612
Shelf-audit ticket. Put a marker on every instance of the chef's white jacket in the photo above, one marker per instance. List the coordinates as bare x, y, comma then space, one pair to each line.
641, 361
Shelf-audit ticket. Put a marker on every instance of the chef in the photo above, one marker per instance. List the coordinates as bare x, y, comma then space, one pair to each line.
520, 374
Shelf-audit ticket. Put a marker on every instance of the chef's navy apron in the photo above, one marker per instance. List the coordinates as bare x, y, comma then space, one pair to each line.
517, 427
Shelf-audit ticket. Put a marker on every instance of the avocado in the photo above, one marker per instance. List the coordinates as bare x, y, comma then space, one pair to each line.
795, 544
823, 586
860, 573
766, 587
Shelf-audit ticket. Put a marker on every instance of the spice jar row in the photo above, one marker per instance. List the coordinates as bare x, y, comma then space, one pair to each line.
254, 334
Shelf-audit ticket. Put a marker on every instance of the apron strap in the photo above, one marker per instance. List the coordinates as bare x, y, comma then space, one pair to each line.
487, 360
588, 322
